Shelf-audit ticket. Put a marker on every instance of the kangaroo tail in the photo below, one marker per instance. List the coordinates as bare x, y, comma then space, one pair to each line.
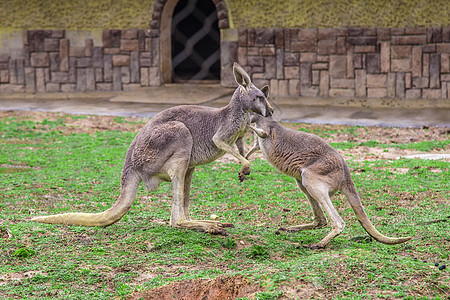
355, 202
130, 184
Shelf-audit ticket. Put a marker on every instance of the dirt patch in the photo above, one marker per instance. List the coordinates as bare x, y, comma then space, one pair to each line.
202, 289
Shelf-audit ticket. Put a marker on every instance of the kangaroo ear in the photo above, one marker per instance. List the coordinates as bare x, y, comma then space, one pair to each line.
265, 91
241, 76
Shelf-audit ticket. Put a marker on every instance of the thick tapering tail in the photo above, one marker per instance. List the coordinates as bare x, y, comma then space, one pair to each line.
355, 202
130, 184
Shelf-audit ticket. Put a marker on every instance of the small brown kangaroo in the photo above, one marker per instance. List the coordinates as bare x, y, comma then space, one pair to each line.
171, 145
319, 170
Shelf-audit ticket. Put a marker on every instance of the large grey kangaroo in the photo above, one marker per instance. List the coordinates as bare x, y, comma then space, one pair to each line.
319, 170
171, 145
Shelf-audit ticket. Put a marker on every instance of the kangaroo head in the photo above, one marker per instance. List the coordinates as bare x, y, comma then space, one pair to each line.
253, 99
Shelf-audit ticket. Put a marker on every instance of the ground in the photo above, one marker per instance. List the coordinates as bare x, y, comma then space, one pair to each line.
369, 144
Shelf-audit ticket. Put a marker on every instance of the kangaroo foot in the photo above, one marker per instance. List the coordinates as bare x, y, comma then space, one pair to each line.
314, 246
212, 227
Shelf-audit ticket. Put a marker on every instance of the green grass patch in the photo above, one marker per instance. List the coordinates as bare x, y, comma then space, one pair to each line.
63, 172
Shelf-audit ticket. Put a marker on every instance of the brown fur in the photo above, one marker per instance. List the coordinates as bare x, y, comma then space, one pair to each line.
319, 170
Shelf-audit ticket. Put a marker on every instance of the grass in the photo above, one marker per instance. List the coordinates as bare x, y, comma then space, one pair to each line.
45, 170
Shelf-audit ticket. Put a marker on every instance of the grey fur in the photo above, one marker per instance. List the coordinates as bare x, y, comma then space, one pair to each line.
171, 145
319, 170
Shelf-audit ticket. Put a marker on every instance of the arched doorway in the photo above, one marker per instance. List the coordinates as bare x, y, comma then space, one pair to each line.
161, 29
195, 41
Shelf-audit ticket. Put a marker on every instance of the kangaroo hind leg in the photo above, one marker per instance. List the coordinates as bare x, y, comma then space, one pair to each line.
318, 188
319, 217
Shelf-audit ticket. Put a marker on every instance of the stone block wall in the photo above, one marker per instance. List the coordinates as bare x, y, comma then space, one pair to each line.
128, 59
349, 62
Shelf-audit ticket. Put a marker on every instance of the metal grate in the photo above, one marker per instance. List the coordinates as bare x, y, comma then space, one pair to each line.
195, 41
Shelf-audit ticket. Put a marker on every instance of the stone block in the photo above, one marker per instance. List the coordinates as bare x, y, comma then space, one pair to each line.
416, 61
111, 38
430, 48
89, 44
435, 70
98, 74
376, 80
291, 59
401, 65
267, 51
90, 79
121, 60
40, 59
308, 57
64, 55
51, 87
292, 72
322, 58
117, 78
303, 46
81, 80
342, 93
134, 67
76, 51
59, 77
445, 63
324, 84
415, 30
294, 87
364, 49
420, 82
401, 51
68, 87
355, 31
255, 61
357, 61
376, 92
280, 64
383, 34
309, 91
373, 63
111, 51
20, 71
72, 70
315, 77
431, 93
371, 31
445, 77
307, 34
327, 33
104, 87
279, 38
36, 39
97, 57
30, 80
4, 76
129, 34
385, 57
125, 75
338, 66
264, 36
54, 61
305, 74
341, 45
360, 83
11, 88
350, 64
320, 66
155, 76
342, 83
327, 47
57, 33
253, 51
391, 83
434, 35
283, 88
413, 94
147, 62
251, 37
40, 80
129, 45
144, 76
51, 45
273, 83
408, 80
107, 68
409, 40
84, 62
362, 40
400, 85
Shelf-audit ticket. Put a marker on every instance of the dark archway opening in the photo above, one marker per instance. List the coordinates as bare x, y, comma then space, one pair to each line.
195, 41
